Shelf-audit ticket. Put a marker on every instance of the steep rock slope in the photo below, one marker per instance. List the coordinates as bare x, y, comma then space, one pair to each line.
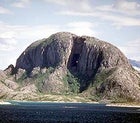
65, 62
87, 54
11, 89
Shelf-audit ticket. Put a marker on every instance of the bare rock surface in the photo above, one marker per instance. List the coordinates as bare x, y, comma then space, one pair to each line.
29, 89
4, 90
2, 75
11, 84
54, 82
65, 49
56, 64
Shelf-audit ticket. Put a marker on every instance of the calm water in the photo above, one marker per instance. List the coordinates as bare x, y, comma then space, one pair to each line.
33, 112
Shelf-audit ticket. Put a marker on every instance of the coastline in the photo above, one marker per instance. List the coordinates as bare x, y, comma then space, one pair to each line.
109, 104
5, 103
123, 105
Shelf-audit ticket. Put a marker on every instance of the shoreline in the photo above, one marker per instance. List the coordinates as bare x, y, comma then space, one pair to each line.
123, 105
109, 104
5, 103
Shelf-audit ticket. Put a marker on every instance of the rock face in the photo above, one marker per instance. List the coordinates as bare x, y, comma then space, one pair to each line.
99, 67
85, 55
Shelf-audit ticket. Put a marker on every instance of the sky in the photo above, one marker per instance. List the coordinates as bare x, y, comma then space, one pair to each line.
25, 21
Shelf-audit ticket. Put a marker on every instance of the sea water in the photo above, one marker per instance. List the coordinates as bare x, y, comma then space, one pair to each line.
47, 112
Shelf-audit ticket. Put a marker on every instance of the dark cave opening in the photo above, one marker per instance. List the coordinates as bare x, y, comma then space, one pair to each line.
75, 60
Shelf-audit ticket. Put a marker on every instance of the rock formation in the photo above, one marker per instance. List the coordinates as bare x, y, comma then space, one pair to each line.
63, 61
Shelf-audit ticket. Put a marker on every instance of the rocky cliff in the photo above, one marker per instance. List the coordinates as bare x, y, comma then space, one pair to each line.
67, 63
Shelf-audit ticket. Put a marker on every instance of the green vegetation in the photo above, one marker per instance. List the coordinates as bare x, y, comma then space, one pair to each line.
41, 77
102, 76
121, 99
72, 82
95, 83
23, 77
60, 97
2, 81
38, 79
3, 96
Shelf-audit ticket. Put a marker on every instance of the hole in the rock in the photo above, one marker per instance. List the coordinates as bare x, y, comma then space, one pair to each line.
75, 60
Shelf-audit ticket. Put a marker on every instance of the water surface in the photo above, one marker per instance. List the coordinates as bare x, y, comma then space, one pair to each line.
42, 112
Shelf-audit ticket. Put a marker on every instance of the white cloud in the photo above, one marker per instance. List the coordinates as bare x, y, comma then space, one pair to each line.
118, 14
39, 31
78, 5
59, 2
7, 44
11, 35
4, 10
121, 13
6, 60
32, 33
7, 37
15, 38
116, 20
132, 49
82, 28
21, 3
128, 7
119, 20
121, 7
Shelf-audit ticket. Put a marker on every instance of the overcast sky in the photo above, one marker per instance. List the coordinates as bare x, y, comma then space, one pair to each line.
25, 21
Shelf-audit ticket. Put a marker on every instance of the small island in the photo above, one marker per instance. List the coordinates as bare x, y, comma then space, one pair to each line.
69, 68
